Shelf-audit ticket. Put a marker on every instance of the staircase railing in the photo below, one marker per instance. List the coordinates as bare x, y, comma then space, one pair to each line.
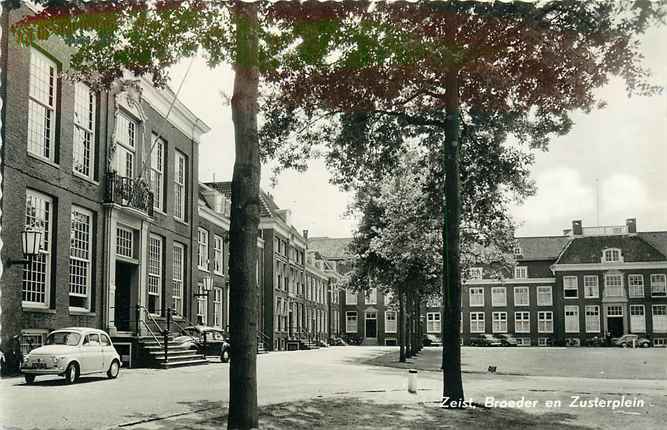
140, 309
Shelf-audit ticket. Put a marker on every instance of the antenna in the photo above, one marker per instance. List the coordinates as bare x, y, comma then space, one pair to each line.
597, 201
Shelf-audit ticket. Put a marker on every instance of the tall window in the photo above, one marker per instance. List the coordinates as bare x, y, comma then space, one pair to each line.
433, 322
476, 296
498, 296
636, 286
592, 319
157, 171
522, 322
177, 278
37, 274
350, 322
218, 255
202, 306
570, 287
544, 296
658, 285
477, 322
390, 322
180, 185
42, 106
613, 285
571, 319
500, 322
637, 319
521, 272
80, 256
545, 322
154, 273
372, 296
521, 296
350, 297
591, 287
85, 104
660, 318
202, 260
217, 307
126, 143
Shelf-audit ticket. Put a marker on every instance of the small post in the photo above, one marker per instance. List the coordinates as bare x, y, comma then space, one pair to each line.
633, 343
137, 316
412, 381
166, 338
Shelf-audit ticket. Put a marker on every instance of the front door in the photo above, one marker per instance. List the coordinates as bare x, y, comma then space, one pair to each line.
122, 304
615, 326
371, 325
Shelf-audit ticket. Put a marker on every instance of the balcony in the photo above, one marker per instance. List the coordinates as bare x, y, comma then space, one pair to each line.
128, 192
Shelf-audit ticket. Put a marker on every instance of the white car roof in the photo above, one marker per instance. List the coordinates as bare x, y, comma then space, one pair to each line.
81, 330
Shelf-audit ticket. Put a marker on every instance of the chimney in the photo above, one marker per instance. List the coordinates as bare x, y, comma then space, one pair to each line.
305, 234
631, 224
577, 229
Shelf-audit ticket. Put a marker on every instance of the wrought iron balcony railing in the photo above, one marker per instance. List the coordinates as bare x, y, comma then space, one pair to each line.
128, 192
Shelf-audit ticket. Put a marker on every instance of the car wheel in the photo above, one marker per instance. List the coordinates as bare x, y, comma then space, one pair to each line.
624, 345
29, 379
114, 369
224, 357
72, 373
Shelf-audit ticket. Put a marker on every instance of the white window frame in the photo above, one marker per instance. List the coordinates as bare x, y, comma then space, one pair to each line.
521, 272
202, 249
637, 325
154, 270
612, 255
350, 297
522, 322
202, 304
126, 166
180, 184
636, 285
178, 266
37, 274
608, 288
124, 241
541, 292
218, 255
85, 115
545, 322
42, 100
517, 302
217, 307
591, 286
495, 301
158, 161
592, 318
433, 322
659, 318
570, 283
471, 295
390, 323
571, 319
34, 334
349, 321
371, 297
499, 322
658, 285
81, 258
477, 324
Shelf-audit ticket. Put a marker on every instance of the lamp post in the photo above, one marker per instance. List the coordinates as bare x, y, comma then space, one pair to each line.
207, 286
31, 242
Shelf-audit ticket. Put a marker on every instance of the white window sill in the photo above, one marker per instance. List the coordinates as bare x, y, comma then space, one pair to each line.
160, 211
38, 309
181, 221
85, 178
43, 160
81, 312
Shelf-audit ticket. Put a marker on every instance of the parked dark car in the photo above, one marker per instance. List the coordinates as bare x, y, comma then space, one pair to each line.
206, 340
626, 341
432, 340
507, 340
485, 340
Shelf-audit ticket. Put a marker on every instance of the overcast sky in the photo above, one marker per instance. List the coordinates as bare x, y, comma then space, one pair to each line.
623, 147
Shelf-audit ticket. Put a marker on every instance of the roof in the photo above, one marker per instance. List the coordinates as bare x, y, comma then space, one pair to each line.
657, 239
541, 247
269, 207
331, 248
588, 249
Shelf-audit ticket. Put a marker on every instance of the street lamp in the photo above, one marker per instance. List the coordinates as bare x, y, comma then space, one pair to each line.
31, 242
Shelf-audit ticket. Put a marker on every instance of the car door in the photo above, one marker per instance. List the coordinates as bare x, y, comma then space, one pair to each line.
107, 351
91, 354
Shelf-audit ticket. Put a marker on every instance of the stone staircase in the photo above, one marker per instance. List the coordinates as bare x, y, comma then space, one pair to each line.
178, 355
308, 344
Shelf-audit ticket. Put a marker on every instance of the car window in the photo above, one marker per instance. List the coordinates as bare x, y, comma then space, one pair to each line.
63, 338
105, 340
92, 340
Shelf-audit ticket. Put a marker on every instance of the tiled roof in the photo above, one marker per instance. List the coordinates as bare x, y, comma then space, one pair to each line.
589, 249
269, 207
541, 248
331, 248
657, 239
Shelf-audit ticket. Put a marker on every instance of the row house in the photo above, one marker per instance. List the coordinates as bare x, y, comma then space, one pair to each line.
109, 180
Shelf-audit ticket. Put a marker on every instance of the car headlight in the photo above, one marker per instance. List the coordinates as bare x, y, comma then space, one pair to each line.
58, 360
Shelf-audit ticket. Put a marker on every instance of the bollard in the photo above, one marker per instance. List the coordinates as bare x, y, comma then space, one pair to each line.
412, 381
633, 344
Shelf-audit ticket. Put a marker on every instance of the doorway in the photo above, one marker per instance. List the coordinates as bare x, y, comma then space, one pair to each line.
371, 325
123, 298
615, 326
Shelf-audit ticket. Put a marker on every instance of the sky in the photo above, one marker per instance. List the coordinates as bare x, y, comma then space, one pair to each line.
616, 156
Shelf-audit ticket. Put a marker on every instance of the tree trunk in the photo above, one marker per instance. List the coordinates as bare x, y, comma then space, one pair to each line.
245, 214
420, 328
401, 326
408, 341
451, 351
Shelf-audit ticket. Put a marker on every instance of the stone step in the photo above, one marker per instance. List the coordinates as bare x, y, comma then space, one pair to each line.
171, 364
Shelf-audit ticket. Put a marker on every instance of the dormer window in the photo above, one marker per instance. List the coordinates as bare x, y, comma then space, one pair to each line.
612, 255
517, 250
475, 273
520, 272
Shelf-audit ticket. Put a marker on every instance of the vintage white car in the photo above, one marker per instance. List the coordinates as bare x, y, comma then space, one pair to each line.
71, 352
